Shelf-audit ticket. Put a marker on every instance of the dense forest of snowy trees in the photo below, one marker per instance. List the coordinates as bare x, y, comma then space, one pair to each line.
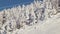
22, 16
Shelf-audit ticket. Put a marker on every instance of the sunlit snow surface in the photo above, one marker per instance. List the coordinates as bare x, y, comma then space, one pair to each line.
36, 18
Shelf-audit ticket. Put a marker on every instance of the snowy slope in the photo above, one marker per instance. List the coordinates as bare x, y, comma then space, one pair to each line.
36, 18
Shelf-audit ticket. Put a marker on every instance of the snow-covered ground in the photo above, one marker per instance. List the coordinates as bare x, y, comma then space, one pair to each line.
36, 18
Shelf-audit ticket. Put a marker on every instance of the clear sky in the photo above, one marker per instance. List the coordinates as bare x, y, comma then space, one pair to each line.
11, 3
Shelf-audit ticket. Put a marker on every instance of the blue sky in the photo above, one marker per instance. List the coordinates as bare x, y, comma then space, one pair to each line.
11, 3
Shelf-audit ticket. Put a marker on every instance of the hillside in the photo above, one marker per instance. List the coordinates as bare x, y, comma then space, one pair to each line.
36, 18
